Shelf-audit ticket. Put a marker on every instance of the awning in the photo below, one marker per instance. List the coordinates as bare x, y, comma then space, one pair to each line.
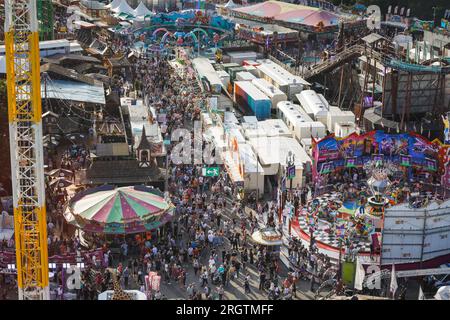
374, 118
74, 91
84, 24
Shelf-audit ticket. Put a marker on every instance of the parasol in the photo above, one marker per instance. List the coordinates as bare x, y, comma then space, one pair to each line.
121, 210
59, 173
60, 182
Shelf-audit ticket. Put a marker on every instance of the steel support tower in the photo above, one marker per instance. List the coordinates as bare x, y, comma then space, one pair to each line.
25, 134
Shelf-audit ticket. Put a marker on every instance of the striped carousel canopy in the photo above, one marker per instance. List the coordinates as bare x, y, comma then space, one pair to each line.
131, 209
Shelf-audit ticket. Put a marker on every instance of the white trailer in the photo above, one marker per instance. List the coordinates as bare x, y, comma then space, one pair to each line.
281, 78
224, 77
207, 72
298, 122
336, 115
252, 70
314, 104
245, 76
275, 95
239, 56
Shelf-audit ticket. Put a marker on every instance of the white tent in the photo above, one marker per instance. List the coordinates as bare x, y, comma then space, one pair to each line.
230, 4
123, 7
141, 10
113, 4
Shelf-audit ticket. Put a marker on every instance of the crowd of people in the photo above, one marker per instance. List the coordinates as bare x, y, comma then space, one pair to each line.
209, 238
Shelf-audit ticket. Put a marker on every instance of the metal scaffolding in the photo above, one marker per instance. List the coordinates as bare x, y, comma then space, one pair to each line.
25, 135
45, 18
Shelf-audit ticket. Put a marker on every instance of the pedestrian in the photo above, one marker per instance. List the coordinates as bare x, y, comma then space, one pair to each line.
238, 268
221, 292
262, 280
196, 266
126, 275
247, 284
204, 278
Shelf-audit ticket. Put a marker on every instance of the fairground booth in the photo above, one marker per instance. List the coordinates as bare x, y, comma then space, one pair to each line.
362, 180
115, 212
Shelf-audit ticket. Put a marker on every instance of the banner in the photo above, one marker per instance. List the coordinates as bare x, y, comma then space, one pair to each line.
331, 153
327, 149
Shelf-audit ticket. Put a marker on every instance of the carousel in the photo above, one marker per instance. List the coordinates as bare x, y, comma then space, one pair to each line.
353, 217
124, 210
270, 238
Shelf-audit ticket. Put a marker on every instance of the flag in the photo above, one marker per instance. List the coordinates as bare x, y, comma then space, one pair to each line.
359, 275
394, 284
421, 295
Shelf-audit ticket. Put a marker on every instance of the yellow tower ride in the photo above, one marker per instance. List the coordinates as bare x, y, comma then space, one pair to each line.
25, 134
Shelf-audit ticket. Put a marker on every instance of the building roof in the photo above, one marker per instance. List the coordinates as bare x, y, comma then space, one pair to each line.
141, 10
144, 144
57, 72
291, 13
113, 4
230, 4
93, 5
126, 171
119, 62
371, 115
274, 150
373, 38
98, 47
274, 128
74, 91
123, 7
70, 58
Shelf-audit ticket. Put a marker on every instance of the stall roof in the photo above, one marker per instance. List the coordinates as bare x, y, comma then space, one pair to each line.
274, 150
119, 62
62, 58
74, 91
372, 38
371, 115
230, 117
68, 74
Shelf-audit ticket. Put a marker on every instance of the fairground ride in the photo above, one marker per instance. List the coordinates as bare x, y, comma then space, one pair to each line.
25, 134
